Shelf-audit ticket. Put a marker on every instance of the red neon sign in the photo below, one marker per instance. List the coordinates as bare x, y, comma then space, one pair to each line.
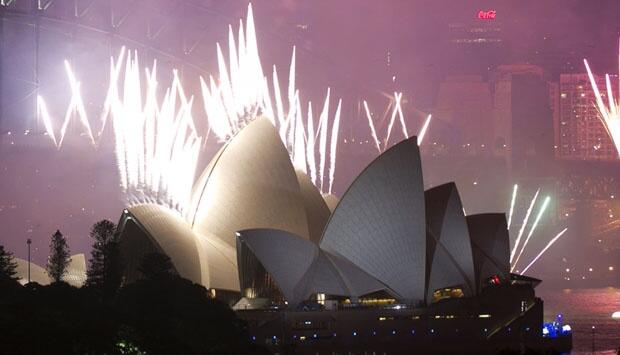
487, 15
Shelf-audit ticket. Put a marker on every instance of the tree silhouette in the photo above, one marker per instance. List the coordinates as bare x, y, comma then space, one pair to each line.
105, 269
7, 266
175, 316
59, 257
156, 266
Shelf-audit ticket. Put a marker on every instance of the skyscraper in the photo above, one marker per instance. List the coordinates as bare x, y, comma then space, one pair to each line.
581, 135
465, 102
523, 119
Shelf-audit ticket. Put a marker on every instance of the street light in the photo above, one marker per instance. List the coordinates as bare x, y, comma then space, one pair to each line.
593, 333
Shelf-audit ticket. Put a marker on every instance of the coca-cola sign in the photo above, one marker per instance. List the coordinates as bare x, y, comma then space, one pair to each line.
487, 15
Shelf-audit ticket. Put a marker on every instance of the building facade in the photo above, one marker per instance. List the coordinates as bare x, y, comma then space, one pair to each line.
581, 134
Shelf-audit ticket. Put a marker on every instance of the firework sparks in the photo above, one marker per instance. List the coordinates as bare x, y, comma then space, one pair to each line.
512, 204
333, 147
76, 107
396, 106
241, 94
539, 215
47, 121
373, 132
424, 129
323, 138
115, 70
391, 123
544, 250
155, 142
299, 143
531, 232
525, 220
310, 145
609, 114
398, 97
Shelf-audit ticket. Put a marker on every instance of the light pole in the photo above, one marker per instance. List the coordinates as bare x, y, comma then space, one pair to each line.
29, 241
593, 332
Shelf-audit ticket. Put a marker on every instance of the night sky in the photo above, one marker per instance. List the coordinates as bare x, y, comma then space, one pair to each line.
343, 44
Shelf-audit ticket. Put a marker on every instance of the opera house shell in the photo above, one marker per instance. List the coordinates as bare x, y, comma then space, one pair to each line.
75, 275
261, 229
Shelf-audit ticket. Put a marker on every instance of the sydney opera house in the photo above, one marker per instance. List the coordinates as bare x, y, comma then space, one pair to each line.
75, 275
388, 259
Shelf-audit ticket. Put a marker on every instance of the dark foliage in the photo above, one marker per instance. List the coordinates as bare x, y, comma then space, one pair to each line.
105, 271
186, 320
59, 257
156, 266
155, 316
8, 267
54, 319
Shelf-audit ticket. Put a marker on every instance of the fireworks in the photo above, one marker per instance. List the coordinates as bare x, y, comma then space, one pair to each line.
609, 114
392, 119
424, 129
157, 144
395, 104
544, 250
529, 235
371, 124
517, 245
156, 141
75, 108
242, 93
47, 121
522, 229
333, 145
512, 204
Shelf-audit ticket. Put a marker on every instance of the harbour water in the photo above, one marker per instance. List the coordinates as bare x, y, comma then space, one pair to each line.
584, 309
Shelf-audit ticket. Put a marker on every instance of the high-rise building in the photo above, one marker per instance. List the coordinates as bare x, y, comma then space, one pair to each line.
465, 103
523, 128
475, 43
588, 187
580, 133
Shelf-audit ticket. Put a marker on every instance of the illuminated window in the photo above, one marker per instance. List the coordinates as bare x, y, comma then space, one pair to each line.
447, 293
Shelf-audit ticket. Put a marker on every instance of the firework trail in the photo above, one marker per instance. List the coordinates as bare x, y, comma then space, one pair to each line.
544, 250
529, 235
373, 132
401, 117
391, 123
76, 107
333, 147
279, 105
45, 116
512, 204
242, 93
156, 144
291, 78
609, 115
156, 141
299, 143
310, 145
396, 105
525, 220
323, 138
424, 129
115, 69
